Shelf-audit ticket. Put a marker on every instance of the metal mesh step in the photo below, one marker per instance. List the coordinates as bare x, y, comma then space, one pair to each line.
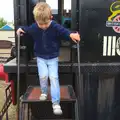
33, 108
33, 93
52, 119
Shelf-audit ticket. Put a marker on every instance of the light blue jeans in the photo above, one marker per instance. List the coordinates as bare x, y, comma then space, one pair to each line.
49, 68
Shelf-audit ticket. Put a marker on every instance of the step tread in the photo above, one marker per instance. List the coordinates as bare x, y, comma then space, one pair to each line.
33, 93
52, 119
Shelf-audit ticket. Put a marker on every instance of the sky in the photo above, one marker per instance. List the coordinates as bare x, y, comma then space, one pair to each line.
53, 4
7, 10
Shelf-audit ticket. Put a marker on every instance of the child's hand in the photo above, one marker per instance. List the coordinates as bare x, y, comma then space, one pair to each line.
19, 31
75, 37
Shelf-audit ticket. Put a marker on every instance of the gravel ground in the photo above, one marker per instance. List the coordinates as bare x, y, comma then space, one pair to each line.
12, 109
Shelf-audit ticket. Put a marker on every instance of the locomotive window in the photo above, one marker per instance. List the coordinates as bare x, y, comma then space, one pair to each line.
66, 18
66, 21
66, 11
54, 5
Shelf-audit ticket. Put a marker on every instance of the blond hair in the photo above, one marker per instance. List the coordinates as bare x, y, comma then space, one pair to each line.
42, 13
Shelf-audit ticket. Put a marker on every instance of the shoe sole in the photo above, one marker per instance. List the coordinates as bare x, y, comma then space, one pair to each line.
58, 113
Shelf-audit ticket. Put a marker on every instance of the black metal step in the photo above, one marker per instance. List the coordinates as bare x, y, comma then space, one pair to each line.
42, 110
33, 93
52, 119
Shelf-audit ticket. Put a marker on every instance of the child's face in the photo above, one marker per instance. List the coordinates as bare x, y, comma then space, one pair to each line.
44, 26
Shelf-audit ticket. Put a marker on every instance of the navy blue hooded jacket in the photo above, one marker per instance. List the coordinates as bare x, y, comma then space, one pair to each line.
47, 42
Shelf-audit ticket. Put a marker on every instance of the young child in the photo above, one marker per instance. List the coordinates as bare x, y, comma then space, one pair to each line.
46, 34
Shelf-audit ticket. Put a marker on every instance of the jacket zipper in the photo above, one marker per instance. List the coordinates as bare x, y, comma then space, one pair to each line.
44, 41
